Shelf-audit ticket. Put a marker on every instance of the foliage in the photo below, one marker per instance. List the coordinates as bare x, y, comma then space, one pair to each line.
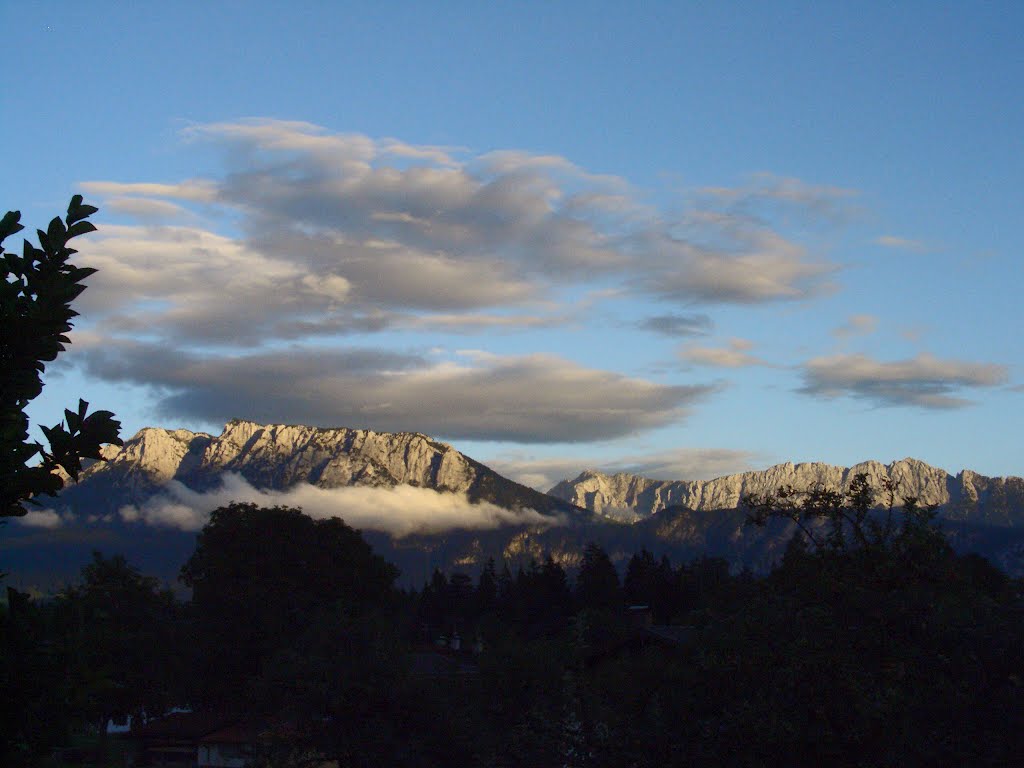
260, 577
834, 522
35, 714
896, 651
35, 315
115, 624
597, 585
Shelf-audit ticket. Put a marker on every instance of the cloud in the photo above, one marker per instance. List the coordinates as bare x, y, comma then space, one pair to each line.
923, 381
531, 398
678, 464
820, 200
230, 295
902, 244
399, 511
678, 325
856, 325
39, 518
747, 264
412, 229
146, 209
736, 355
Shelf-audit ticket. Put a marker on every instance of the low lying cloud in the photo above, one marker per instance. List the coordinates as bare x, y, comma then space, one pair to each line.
532, 398
40, 518
400, 511
923, 381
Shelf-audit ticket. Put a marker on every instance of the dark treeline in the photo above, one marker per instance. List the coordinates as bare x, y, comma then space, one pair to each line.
865, 646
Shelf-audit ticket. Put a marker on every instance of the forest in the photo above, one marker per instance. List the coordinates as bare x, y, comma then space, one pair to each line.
852, 651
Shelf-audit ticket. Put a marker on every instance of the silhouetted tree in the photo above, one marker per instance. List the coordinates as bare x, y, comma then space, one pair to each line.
260, 577
125, 643
35, 315
597, 583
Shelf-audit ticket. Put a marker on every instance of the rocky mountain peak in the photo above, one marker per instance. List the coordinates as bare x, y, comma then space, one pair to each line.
632, 497
279, 456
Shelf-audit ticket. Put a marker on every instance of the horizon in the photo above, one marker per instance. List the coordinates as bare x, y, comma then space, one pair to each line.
608, 471
692, 241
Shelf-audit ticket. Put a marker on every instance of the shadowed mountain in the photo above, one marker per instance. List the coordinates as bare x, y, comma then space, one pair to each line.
681, 519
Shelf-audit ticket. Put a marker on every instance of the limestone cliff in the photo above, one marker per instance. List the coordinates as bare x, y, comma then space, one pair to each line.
280, 456
967, 495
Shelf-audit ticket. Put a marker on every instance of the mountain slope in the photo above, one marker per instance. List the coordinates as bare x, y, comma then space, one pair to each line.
279, 457
966, 496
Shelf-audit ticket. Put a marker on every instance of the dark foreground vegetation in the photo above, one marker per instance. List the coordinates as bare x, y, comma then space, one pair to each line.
871, 643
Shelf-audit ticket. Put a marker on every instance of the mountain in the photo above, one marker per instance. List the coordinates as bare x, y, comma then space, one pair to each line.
622, 513
967, 496
278, 457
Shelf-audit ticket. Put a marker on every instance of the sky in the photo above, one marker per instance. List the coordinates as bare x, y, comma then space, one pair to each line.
678, 239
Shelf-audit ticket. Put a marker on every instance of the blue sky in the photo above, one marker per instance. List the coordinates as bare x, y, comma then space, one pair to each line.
683, 239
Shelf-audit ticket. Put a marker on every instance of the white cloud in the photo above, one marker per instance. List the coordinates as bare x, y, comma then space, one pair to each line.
399, 511
39, 518
923, 381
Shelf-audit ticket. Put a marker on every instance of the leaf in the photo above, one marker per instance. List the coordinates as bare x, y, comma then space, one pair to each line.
9, 224
80, 228
77, 211
56, 232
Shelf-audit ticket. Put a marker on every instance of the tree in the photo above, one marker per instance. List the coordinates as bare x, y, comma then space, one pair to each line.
597, 584
261, 577
35, 314
849, 521
124, 650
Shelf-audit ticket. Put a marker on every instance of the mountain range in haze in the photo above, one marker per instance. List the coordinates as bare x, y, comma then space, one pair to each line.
423, 504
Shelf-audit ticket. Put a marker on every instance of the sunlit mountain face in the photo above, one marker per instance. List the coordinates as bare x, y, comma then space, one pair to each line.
424, 504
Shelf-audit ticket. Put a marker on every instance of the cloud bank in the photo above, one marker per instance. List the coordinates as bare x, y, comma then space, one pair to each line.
232, 295
531, 398
344, 225
400, 511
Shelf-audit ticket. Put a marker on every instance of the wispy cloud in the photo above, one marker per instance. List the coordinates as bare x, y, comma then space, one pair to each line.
856, 325
923, 381
735, 355
400, 511
902, 244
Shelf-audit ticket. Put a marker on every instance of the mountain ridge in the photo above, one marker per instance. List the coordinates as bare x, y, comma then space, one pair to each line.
278, 456
966, 495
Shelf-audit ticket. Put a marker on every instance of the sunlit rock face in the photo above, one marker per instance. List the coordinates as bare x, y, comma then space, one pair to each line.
968, 495
280, 456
